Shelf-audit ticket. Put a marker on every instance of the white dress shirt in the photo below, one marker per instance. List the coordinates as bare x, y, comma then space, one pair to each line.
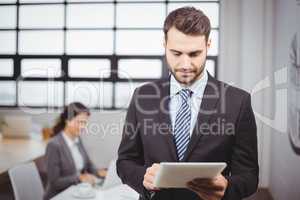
197, 88
76, 155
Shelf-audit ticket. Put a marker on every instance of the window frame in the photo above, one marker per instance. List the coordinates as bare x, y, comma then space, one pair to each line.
64, 58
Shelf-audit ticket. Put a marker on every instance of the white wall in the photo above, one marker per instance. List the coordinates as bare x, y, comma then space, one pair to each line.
254, 54
246, 60
285, 164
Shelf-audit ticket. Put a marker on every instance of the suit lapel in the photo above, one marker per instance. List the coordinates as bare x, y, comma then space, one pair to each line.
165, 118
67, 152
207, 108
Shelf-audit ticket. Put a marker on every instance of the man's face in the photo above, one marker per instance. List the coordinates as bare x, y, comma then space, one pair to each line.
186, 56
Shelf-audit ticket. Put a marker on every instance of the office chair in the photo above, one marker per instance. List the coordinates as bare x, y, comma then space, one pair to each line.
26, 182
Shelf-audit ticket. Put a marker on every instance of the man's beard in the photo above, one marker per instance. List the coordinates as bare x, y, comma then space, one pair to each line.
194, 79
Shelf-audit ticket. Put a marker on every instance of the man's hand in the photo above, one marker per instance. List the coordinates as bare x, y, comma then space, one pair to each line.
149, 177
209, 189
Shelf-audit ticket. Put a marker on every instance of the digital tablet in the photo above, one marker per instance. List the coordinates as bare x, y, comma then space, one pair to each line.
176, 175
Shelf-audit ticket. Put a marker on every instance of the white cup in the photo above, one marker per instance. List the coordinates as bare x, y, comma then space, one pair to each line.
84, 189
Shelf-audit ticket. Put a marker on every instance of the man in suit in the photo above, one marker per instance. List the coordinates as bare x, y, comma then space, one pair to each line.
189, 117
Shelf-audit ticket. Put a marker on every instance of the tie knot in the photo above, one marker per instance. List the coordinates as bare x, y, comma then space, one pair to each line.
185, 94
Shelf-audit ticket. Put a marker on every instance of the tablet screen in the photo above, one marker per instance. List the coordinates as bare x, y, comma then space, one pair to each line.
176, 175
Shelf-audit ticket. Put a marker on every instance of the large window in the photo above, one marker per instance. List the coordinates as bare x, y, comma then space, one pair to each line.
53, 52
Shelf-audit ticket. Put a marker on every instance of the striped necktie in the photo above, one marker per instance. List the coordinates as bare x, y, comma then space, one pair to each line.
182, 124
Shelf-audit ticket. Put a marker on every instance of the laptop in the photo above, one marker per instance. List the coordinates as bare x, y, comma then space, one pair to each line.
16, 126
112, 179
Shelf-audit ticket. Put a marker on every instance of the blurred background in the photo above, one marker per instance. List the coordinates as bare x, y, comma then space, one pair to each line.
53, 52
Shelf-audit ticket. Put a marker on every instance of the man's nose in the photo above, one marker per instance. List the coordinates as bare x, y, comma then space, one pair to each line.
186, 61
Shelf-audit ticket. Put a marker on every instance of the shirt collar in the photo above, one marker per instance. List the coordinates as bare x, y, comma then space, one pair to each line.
197, 87
69, 141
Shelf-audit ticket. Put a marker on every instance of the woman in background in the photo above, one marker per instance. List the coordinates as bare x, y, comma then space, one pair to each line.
66, 158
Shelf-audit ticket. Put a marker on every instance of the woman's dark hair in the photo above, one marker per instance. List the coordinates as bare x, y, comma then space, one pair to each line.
70, 111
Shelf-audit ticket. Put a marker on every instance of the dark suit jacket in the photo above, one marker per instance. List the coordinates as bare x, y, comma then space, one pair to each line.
225, 131
61, 170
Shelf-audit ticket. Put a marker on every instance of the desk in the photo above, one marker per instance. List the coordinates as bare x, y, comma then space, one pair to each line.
119, 192
16, 151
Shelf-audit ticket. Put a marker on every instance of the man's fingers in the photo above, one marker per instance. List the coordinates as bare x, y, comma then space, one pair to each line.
149, 185
151, 172
204, 191
153, 169
204, 181
212, 184
207, 194
203, 194
209, 186
155, 166
148, 181
196, 188
149, 178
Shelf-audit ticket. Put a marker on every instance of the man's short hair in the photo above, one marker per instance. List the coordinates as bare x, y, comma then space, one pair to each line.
188, 20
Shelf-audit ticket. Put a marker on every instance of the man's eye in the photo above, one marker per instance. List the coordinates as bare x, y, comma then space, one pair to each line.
176, 54
194, 54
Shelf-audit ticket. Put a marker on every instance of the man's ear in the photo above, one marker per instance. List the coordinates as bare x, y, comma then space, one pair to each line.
208, 43
165, 43
67, 122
